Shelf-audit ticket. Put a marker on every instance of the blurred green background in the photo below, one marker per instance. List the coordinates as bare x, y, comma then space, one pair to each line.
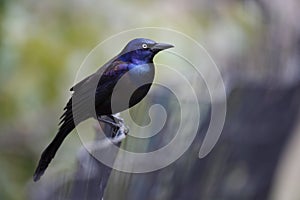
42, 44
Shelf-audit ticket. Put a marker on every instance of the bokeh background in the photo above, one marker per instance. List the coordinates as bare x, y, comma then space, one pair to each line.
255, 43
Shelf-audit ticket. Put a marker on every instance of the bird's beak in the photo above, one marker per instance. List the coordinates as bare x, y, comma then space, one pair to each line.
161, 46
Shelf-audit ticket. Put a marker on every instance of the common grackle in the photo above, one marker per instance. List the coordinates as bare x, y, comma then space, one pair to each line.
133, 67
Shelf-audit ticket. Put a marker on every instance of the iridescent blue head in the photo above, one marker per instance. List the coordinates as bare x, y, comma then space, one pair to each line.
142, 50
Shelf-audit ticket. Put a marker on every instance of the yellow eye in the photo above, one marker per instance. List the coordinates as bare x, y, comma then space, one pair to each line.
144, 46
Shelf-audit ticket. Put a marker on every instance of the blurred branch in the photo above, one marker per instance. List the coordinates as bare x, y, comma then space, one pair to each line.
91, 177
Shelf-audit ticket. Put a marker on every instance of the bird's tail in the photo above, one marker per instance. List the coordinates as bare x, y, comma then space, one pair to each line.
51, 150
67, 125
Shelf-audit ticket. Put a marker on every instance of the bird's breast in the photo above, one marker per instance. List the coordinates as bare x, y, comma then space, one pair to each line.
141, 73
132, 87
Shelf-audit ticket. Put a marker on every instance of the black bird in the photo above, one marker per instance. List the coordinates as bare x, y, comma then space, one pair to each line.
108, 89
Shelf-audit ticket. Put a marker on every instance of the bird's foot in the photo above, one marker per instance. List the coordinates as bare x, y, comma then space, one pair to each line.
111, 123
118, 125
117, 118
119, 135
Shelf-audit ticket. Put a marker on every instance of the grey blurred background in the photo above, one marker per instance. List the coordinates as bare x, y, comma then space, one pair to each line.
256, 45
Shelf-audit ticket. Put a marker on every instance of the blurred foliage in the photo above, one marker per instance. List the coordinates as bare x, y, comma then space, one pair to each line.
42, 44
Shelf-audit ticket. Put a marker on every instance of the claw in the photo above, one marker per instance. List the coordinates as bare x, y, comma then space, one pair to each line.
119, 128
109, 122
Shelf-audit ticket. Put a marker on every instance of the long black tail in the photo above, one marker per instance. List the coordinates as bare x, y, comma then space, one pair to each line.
67, 125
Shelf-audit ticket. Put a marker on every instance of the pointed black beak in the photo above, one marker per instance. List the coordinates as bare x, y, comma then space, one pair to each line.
161, 46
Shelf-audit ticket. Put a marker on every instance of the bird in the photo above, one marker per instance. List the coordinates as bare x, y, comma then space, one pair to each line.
131, 70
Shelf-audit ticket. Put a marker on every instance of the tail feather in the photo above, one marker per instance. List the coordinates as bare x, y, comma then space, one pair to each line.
51, 150
67, 125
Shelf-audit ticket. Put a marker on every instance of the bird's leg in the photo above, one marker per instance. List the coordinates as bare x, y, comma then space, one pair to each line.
119, 127
111, 123
117, 118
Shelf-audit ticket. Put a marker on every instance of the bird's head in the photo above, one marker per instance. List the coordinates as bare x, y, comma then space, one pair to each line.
142, 50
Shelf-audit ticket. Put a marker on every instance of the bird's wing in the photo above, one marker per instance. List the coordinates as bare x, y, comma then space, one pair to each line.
97, 74
110, 70
104, 79
98, 86
77, 85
